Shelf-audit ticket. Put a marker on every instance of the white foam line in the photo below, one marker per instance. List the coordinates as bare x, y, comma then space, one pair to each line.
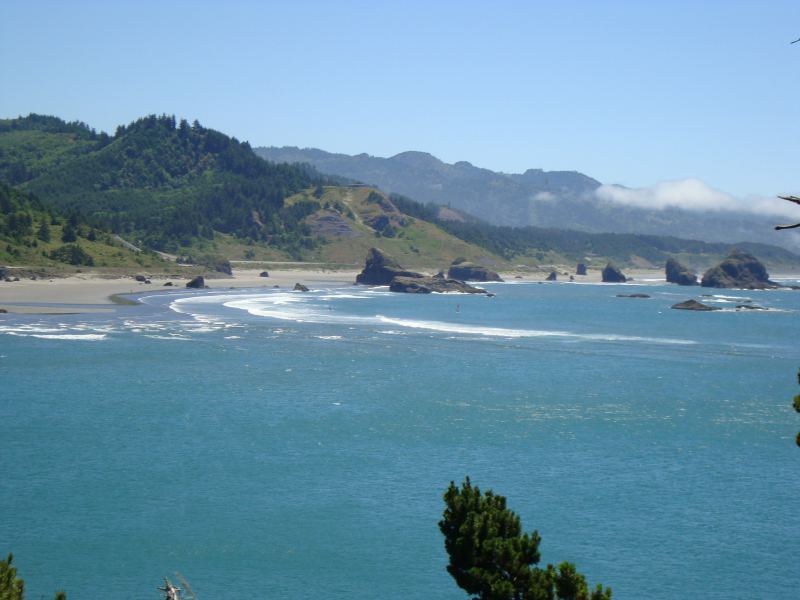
523, 333
83, 337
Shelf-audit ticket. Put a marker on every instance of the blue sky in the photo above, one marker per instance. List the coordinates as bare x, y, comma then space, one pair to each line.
635, 93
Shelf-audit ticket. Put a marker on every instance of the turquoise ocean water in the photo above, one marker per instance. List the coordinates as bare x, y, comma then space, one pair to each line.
271, 444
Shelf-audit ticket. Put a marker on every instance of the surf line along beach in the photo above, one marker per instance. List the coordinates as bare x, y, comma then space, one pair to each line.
95, 292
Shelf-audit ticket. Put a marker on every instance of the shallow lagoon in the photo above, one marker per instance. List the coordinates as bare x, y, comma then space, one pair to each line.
295, 445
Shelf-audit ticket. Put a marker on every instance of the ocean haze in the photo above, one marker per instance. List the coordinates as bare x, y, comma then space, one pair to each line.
559, 199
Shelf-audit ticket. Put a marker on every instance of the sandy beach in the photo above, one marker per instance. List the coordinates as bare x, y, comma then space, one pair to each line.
91, 292
88, 292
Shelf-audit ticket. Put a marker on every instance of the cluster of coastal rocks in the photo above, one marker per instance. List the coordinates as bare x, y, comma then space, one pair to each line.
739, 270
382, 269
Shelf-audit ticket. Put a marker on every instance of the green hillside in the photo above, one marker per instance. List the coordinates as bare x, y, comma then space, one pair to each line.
196, 194
33, 235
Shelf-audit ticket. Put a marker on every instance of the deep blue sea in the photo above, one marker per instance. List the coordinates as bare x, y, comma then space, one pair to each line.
275, 444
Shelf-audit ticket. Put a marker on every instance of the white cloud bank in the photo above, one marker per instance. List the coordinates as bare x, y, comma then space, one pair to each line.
694, 195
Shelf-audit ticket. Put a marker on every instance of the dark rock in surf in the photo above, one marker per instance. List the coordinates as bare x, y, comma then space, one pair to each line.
693, 305
380, 269
198, 283
465, 271
299, 287
678, 273
739, 270
427, 285
612, 274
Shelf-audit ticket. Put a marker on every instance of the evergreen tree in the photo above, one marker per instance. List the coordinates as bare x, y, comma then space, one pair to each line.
43, 232
68, 234
490, 557
11, 586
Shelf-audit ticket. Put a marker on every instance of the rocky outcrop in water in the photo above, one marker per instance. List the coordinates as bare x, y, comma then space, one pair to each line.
678, 273
380, 269
198, 283
427, 285
471, 272
693, 305
633, 296
739, 270
612, 274
299, 287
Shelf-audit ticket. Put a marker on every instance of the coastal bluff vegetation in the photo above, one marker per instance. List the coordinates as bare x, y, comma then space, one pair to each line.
162, 192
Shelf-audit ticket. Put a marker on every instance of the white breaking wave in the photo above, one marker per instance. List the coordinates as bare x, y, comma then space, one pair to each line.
523, 333
81, 337
303, 308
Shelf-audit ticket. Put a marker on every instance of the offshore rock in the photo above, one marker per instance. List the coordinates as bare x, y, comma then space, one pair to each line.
678, 273
612, 274
380, 269
471, 272
427, 285
633, 296
198, 283
738, 270
299, 287
693, 305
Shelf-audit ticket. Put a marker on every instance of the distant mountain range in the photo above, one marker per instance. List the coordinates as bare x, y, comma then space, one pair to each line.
560, 199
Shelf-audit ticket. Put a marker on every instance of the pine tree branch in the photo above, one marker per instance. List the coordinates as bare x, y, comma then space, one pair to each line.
794, 199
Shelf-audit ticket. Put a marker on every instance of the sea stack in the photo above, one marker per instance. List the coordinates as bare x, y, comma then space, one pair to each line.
380, 269
678, 273
739, 270
612, 274
466, 271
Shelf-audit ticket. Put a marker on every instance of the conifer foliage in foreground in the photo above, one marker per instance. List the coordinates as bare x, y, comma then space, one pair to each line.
490, 557
13, 587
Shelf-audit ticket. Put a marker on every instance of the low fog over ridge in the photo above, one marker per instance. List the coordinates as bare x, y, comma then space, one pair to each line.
693, 195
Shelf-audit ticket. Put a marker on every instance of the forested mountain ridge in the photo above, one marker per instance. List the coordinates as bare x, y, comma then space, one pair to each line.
549, 199
165, 182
